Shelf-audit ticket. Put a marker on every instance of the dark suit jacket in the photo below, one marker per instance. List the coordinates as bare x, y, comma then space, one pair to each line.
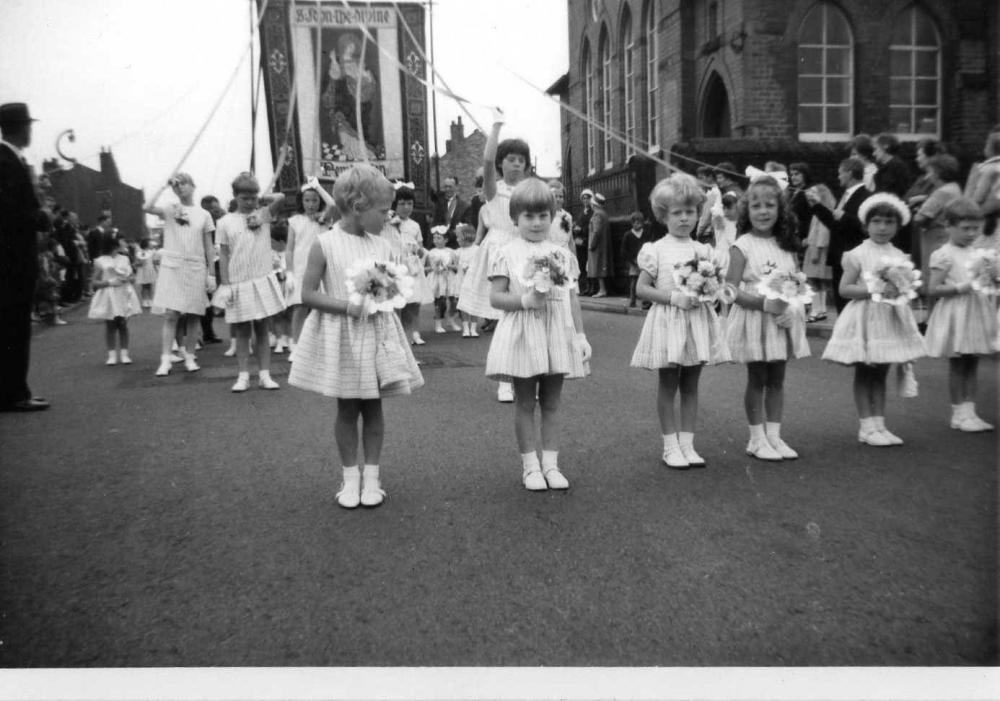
21, 217
848, 231
893, 176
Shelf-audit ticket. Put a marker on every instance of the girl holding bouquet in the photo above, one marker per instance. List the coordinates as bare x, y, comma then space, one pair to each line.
509, 159
682, 332
539, 338
353, 346
314, 210
877, 326
114, 299
442, 266
413, 254
467, 250
766, 330
250, 289
963, 325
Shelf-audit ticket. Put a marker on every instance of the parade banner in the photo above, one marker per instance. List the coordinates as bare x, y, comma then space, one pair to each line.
347, 70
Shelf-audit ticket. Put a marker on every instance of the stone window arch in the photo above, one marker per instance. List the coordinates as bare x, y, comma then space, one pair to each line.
825, 75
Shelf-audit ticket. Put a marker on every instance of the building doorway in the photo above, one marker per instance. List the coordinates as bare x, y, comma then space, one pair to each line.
715, 117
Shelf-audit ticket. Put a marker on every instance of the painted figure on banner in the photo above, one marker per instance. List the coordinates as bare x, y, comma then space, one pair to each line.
349, 78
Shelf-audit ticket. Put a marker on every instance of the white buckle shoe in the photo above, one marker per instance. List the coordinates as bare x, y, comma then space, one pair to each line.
267, 382
164, 368
417, 339
783, 450
874, 437
349, 495
555, 479
673, 457
372, 493
242, 383
762, 450
126, 359
691, 455
890, 436
191, 364
534, 480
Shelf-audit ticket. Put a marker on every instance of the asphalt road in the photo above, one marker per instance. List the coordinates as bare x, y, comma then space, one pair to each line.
167, 522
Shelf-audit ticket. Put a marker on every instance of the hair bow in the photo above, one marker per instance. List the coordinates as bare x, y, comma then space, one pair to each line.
439, 229
755, 174
400, 184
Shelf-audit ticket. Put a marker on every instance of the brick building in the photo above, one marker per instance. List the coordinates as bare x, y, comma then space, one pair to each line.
463, 156
90, 192
755, 80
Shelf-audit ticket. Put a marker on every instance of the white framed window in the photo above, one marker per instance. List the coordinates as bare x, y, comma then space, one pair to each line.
915, 76
652, 57
628, 81
826, 75
589, 105
606, 102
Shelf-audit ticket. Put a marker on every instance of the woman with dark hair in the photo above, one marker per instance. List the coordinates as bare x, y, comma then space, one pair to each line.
863, 148
923, 186
800, 180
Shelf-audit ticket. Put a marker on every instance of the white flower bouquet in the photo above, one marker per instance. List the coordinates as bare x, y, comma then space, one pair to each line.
894, 280
543, 272
985, 270
377, 286
700, 278
790, 287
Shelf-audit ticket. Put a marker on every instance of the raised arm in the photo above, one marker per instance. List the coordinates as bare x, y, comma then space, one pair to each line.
490, 155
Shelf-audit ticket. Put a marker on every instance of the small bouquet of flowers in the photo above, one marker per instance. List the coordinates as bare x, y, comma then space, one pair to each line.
253, 221
378, 286
181, 217
894, 280
985, 270
543, 272
790, 287
700, 278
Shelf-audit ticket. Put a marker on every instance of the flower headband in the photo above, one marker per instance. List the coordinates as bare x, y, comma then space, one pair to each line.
399, 184
885, 199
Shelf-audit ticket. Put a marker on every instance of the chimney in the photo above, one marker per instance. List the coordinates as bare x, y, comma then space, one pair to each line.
457, 134
109, 170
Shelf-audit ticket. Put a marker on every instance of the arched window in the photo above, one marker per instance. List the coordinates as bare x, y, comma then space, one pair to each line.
606, 113
915, 76
826, 75
589, 107
628, 79
652, 57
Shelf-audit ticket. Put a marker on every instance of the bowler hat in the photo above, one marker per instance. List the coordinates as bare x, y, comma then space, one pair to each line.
15, 113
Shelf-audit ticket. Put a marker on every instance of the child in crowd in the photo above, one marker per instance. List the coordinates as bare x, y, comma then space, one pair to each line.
680, 334
413, 254
539, 338
467, 251
145, 274
314, 205
442, 266
510, 160
724, 227
632, 242
250, 291
764, 333
814, 263
279, 337
562, 222
870, 335
963, 325
340, 350
114, 299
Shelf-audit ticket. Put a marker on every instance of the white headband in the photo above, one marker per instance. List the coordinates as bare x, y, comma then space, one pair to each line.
889, 200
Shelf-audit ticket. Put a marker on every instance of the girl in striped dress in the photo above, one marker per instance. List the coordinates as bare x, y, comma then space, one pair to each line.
679, 335
250, 290
963, 325
314, 209
510, 159
764, 333
338, 347
870, 335
539, 338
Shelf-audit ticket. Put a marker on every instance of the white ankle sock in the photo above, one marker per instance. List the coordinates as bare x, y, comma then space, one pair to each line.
866, 424
670, 441
878, 422
264, 374
371, 471
550, 459
529, 461
351, 472
756, 432
686, 438
773, 428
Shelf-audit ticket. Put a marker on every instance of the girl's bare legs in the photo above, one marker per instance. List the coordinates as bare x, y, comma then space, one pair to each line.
549, 398
110, 336
956, 380
372, 430
372, 436
862, 392
753, 397
121, 324
299, 314
665, 393
241, 331
524, 414
762, 395
774, 391
689, 377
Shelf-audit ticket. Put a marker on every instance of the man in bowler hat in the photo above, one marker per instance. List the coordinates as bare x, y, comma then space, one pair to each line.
21, 217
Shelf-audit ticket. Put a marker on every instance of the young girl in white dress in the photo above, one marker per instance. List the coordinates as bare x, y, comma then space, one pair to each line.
145, 274
870, 335
314, 207
338, 348
539, 339
442, 267
814, 262
467, 251
250, 289
765, 334
114, 299
680, 335
413, 254
187, 271
511, 160
963, 325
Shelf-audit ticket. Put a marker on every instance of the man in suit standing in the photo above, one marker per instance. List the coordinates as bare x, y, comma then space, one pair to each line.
21, 217
581, 238
846, 229
452, 210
